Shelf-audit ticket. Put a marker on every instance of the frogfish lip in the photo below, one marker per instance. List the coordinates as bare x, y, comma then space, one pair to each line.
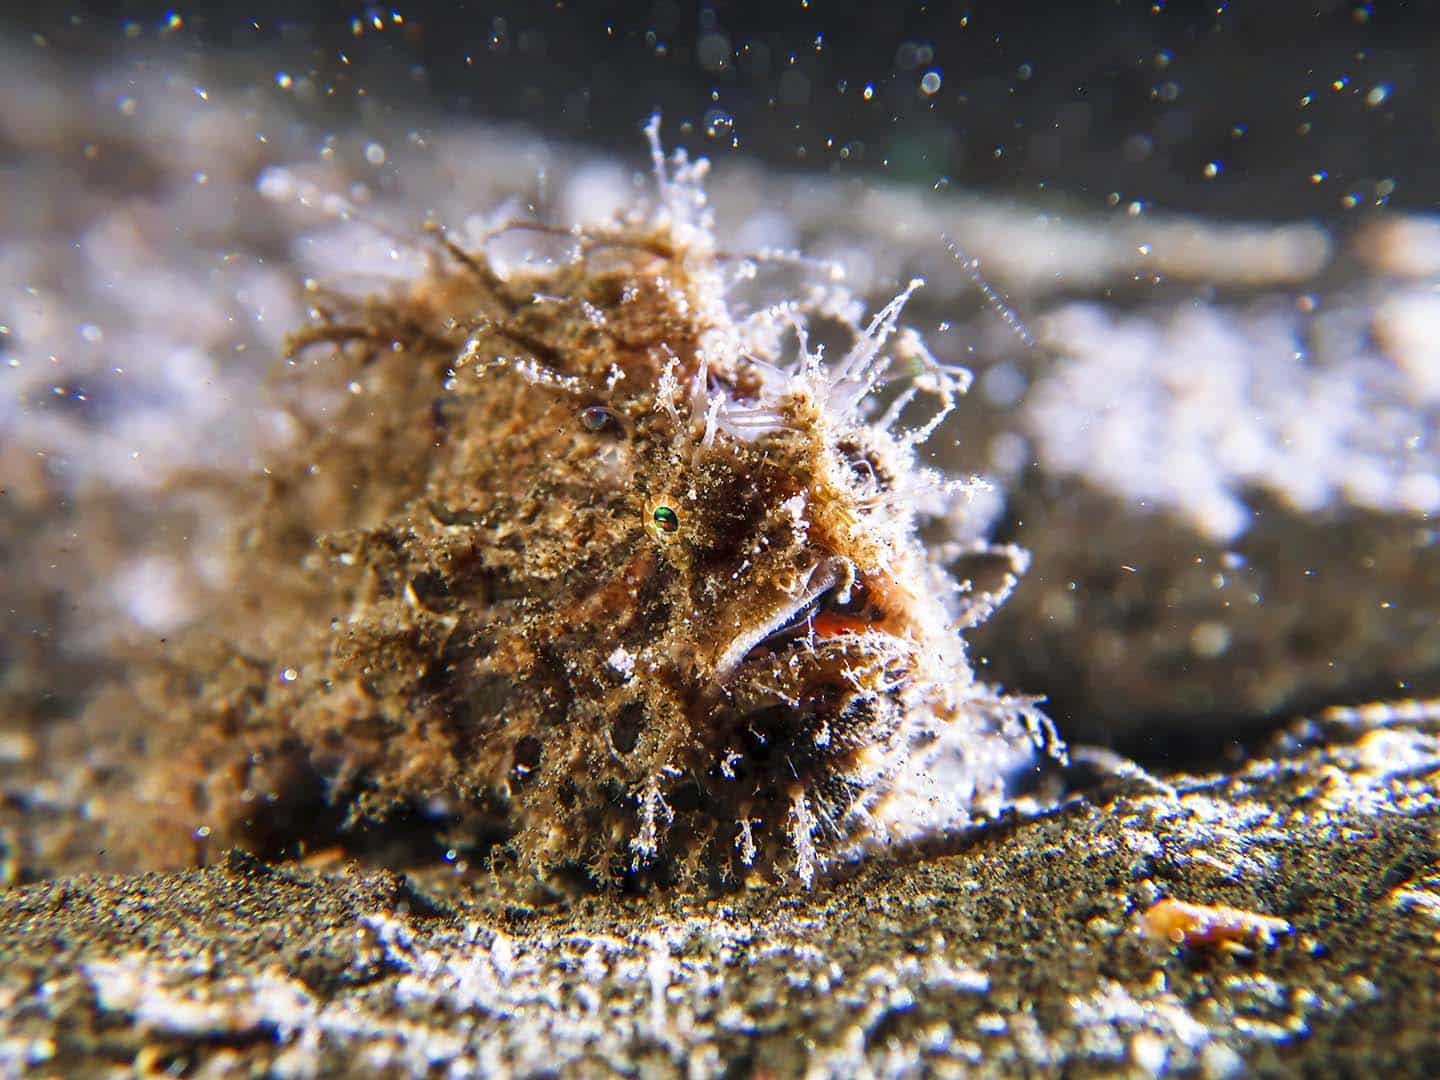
822, 577
809, 613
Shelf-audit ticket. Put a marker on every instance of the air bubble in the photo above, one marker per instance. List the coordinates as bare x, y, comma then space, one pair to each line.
719, 124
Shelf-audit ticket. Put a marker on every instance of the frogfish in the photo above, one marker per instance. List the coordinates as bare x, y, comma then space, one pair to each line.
604, 564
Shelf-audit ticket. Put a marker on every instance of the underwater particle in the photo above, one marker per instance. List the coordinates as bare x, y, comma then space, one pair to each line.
463, 562
1209, 925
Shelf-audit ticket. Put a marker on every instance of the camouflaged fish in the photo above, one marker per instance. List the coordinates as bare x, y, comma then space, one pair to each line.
589, 562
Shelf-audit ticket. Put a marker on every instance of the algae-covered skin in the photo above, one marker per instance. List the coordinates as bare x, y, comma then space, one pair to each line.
584, 557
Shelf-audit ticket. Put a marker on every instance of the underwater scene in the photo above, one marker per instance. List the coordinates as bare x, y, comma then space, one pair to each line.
665, 539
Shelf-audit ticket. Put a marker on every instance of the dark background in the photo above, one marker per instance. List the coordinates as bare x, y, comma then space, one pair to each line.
1306, 109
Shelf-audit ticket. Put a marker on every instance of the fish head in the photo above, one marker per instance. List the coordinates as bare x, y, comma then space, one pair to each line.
762, 656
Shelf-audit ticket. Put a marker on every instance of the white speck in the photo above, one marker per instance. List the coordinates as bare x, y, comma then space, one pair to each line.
658, 972
991, 1023
375, 154
1149, 1052
1219, 1061
151, 592
1210, 639
622, 661
1419, 492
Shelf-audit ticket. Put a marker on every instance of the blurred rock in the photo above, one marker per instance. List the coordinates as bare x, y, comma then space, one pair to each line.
1230, 502
1137, 627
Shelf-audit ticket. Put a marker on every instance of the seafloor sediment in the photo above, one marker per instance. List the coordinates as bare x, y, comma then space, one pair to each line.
1016, 953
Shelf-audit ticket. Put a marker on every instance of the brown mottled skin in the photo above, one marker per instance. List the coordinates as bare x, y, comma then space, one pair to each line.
455, 598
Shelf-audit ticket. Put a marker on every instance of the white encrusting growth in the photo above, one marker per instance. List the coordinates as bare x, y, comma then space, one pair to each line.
754, 343
652, 808
802, 837
684, 209
975, 607
527, 367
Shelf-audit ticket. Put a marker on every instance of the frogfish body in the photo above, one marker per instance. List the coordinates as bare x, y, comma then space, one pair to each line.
594, 562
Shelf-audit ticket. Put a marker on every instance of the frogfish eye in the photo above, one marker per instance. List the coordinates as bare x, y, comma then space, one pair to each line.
666, 520
597, 418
